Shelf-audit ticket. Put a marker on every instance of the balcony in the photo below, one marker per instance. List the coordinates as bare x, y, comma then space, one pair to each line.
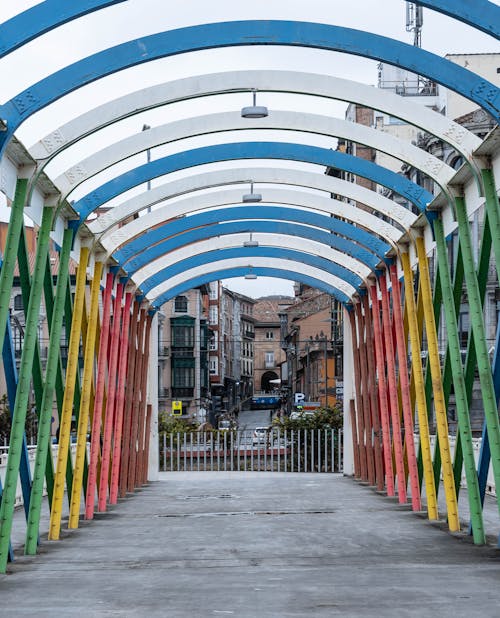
182, 392
249, 334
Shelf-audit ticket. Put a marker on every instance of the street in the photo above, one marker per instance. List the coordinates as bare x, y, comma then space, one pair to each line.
248, 420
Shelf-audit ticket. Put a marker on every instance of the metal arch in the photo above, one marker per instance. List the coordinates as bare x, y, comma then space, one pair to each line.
227, 240
71, 178
325, 86
51, 14
240, 271
250, 150
42, 18
356, 258
269, 175
197, 203
479, 14
249, 253
246, 33
356, 237
293, 266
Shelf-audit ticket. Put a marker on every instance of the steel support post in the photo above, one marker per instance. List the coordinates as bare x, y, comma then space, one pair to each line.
110, 400
393, 391
69, 393
477, 323
382, 391
129, 394
95, 440
25, 280
354, 436
23, 388
459, 386
372, 389
10, 368
120, 400
134, 429
418, 377
145, 461
405, 389
83, 419
359, 401
493, 223
437, 387
365, 396
141, 438
10, 252
43, 450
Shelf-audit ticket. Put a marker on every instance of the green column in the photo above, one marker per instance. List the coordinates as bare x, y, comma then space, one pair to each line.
53, 365
455, 360
477, 323
10, 252
23, 388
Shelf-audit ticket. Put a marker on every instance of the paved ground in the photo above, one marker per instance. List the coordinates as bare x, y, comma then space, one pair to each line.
256, 545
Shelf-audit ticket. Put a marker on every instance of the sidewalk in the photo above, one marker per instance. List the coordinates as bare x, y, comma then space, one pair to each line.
256, 545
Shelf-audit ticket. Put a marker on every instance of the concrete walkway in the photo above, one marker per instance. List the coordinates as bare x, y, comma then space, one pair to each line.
256, 545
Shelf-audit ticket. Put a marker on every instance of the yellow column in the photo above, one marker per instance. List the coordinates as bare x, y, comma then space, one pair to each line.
69, 392
418, 377
83, 419
437, 388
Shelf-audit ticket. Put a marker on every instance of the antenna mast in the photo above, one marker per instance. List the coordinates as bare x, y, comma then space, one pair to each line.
414, 22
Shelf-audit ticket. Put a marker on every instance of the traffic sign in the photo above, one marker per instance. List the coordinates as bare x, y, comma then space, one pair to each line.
176, 408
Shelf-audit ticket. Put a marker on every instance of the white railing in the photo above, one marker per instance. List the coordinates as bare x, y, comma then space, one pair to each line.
304, 450
4, 452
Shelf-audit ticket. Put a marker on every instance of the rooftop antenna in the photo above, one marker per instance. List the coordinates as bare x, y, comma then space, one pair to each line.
414, 22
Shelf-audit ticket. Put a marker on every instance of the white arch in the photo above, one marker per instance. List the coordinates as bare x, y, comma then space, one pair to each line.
112, 240
237, 240
253, 262
239, 81
232, 121
281, 176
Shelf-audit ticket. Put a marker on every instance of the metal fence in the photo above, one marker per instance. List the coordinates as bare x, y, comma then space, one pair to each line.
303, 450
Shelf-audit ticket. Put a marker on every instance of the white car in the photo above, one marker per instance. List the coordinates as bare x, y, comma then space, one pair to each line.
260, 435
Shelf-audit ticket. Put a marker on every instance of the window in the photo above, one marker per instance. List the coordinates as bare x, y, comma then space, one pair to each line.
183, 336
183, 377
214, 292
213, 365
213, 342
181, 304
269, 334
269, 359
18, 302
213, 314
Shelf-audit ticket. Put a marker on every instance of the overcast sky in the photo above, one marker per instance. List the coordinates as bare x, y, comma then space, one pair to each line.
137, 18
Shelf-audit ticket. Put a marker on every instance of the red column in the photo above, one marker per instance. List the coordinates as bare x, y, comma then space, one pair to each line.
129, 394
134, 429
120, 401
393, 392
95, 440
365, 395
405, 389
372, 389
382, 391
111, 399
359, 404
141, 435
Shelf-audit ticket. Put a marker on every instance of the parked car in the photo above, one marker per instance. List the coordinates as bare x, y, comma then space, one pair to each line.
260, 435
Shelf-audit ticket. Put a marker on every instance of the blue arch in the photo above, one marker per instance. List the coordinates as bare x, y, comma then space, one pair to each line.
240, 271
41, 18
137, 257
243, 33
51, 14
357, 238
250, 150
250, 252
